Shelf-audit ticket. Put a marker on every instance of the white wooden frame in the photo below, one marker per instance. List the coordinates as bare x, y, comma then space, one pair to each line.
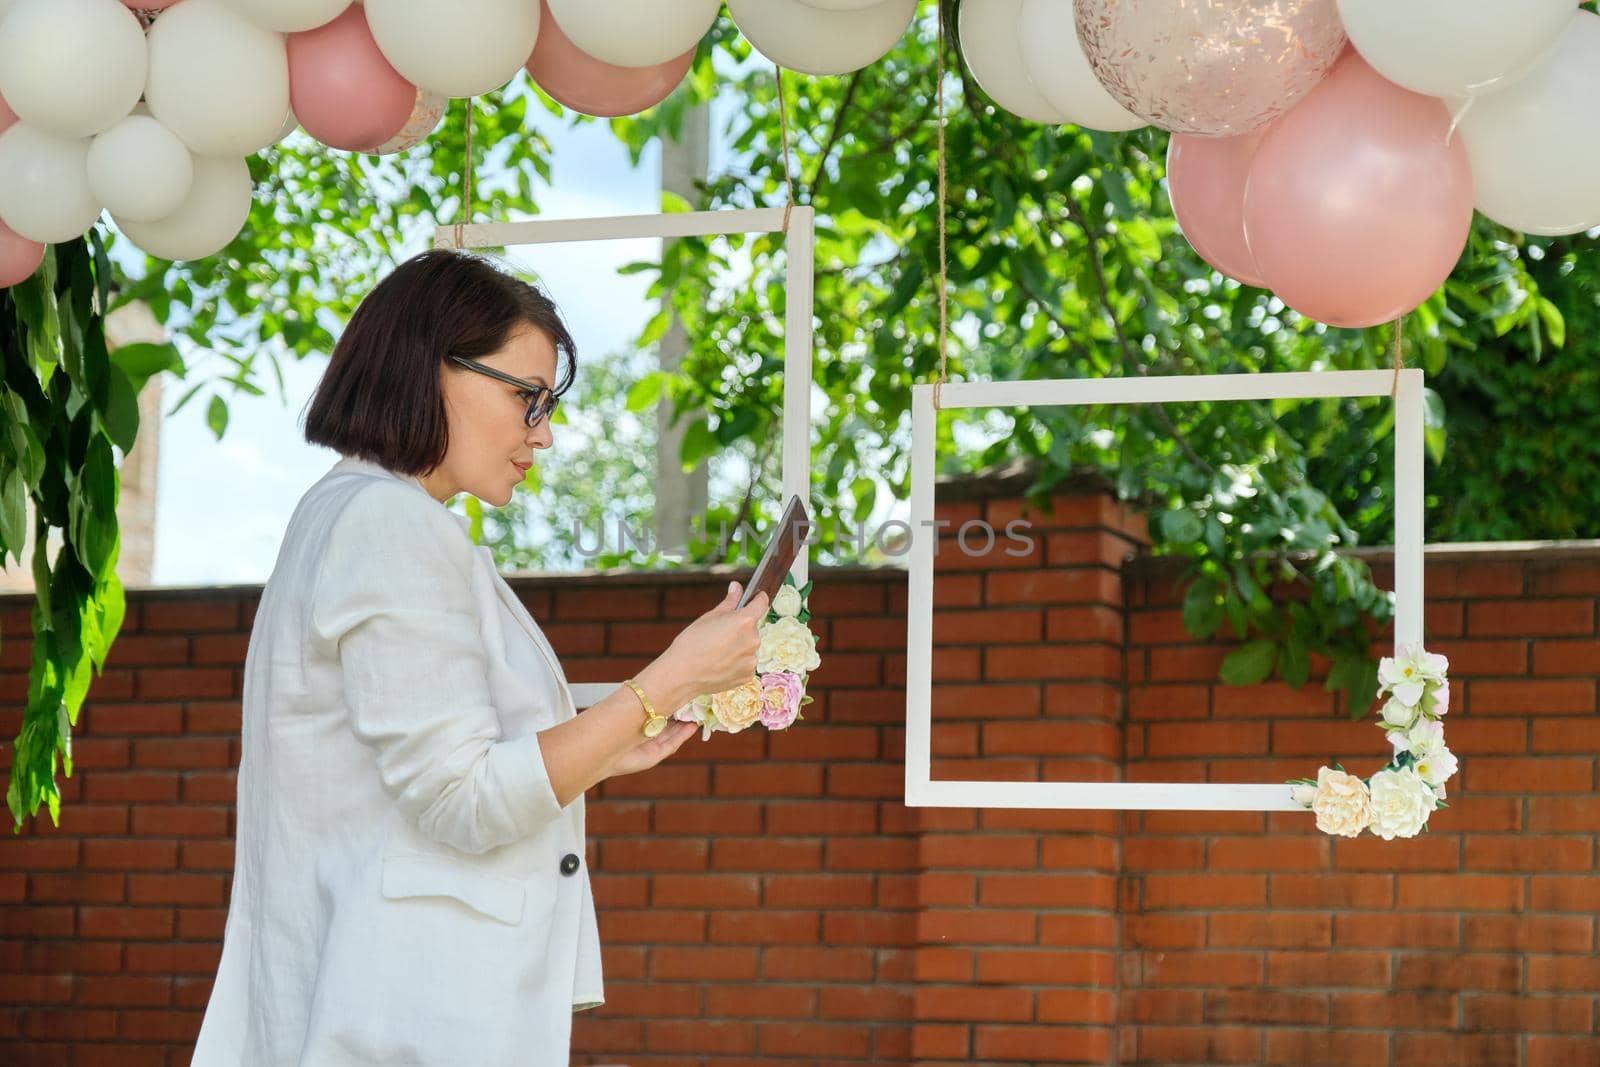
800, 244
921, 789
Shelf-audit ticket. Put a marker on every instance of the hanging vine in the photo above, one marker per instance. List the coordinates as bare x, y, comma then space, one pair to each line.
66, 404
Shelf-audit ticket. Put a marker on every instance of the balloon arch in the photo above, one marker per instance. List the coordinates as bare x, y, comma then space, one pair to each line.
1332, 151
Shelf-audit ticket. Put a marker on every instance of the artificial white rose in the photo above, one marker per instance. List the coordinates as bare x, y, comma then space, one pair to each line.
1401, 803
1408, 674
1425, 737
1398, 715
1303, 794
699, 712
1436, 766
787, 645
787, 602
1341, 803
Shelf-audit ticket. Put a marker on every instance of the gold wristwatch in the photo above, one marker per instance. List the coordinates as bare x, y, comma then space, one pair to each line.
656, 722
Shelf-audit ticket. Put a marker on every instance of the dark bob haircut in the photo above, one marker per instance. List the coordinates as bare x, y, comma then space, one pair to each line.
380, 398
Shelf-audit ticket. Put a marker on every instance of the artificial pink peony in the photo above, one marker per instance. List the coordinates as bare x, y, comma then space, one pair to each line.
780, 699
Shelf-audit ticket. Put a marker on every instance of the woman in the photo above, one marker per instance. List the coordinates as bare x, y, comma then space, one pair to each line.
409, 883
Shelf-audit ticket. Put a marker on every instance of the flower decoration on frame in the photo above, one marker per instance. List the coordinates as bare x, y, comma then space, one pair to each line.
774, 696
1397, 800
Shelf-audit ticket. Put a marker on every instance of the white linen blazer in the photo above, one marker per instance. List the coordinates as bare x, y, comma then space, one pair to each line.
407, 890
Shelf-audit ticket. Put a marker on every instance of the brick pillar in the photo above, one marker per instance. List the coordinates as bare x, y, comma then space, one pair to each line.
1018, 931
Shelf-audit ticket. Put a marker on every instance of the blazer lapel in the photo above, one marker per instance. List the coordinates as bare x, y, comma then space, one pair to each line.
531, 628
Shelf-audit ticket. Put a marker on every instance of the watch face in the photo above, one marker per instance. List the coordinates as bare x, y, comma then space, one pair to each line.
654, 727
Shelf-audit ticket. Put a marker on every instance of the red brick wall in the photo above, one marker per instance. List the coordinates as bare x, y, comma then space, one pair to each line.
769, 899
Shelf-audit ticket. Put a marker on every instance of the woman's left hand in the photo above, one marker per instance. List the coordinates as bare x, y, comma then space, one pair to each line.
651, 751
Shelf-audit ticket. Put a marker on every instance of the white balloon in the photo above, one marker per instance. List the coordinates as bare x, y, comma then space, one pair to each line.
1535, 145
140, 170
455, 47
1454, 47
635, 33
810, 40
209, 218
1055, 62
289, 16
71, 67
217, 80
44, 184
840, 5
993, 51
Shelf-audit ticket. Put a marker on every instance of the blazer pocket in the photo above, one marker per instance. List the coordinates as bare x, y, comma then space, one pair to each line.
429, 876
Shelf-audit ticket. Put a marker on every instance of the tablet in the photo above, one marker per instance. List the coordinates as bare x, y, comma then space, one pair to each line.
780, 553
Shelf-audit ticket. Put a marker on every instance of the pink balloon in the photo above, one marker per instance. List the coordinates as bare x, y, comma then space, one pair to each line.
1358, 203
1205, 179
591, 86
342, 89
19, 257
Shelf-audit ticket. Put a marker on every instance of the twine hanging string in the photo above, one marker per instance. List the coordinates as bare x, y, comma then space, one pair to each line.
944, 267
783, 134
465, 215
1399, 359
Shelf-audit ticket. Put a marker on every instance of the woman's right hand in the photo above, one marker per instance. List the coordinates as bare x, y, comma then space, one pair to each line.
718, 650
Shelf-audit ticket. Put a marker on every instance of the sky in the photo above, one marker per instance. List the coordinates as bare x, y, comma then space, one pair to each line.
222, 506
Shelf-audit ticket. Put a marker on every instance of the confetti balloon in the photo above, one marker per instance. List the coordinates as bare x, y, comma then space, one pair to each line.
426, 114
1057, 66
1214, 67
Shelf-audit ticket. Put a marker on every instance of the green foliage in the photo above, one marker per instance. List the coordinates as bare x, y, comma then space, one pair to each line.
1065, 262
66, 404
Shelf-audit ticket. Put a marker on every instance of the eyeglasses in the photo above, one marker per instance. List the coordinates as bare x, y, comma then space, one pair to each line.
541, 400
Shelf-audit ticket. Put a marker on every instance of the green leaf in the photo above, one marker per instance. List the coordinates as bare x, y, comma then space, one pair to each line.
217, 416
698, 442
1202, 607
1182, 527
13, 514
656, 328
1294, 662
646, 391
143, 361
1250, 663
121, 415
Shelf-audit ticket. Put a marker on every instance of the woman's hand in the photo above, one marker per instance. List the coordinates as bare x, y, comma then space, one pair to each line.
718, 650
714, 653
651, 751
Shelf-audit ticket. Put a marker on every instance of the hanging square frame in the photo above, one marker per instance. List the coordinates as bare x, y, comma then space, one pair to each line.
799, 306
921, 790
